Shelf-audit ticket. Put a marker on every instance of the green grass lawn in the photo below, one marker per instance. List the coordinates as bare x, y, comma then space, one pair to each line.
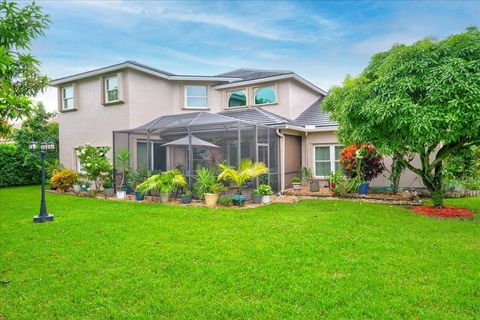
314, 259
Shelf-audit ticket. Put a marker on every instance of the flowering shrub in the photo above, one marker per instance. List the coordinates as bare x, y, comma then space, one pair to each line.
94, 163
371, 164
64, 179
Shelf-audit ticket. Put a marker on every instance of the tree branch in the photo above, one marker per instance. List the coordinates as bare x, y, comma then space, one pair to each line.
446, 150
409, 166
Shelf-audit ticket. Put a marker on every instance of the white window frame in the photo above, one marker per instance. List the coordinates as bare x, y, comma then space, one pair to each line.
185, 97
64, 98
78, 165
230, 92
332, 158
106, 91
256, 89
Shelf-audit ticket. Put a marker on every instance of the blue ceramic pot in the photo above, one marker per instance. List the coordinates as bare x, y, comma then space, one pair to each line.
363, 189
239, 199
128, 189
138, 196
186, 199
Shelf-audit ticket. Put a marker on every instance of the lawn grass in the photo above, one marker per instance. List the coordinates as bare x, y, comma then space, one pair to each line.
314, 259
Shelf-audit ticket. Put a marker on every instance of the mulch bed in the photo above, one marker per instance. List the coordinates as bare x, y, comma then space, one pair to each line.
445, 212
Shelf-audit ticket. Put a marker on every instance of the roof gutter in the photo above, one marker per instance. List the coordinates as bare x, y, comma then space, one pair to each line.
273, 78
133, 66
303, 129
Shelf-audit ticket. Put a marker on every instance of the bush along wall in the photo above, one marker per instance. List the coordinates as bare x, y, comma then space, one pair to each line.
18, 167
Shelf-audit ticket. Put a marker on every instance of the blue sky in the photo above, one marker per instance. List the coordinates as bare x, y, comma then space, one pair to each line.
321, 41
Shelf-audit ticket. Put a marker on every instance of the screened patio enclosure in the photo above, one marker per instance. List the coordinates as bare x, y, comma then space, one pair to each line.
186, 141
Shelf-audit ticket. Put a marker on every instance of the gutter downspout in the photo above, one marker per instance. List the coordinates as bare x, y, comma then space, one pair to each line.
282, 160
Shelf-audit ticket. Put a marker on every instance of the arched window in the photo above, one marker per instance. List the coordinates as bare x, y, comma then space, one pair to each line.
237, 99
265, 95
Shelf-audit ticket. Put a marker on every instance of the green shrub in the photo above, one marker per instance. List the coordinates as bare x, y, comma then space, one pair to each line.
264, 190
295, 180
225, 201
18, 167
64, 179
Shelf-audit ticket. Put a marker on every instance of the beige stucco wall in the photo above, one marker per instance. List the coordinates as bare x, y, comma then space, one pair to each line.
300, 97
91, 122
408, 178
147, 97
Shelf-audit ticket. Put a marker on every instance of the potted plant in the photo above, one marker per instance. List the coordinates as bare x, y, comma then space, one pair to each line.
77, 188
361, 163
85, 185
121, 194
246, 171
165, 183
265, 191
306, 177
296, 183
206, 186
123, 158
256, 197
186, 196
135, 177
108, 189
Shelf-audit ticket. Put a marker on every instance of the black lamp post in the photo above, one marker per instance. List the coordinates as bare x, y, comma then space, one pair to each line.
43, 216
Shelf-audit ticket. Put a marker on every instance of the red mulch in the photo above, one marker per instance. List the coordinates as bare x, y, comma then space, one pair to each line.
445, 212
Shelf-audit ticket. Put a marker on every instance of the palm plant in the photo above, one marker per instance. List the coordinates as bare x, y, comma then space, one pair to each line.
247, 170
206, 182
165, 182
123, 157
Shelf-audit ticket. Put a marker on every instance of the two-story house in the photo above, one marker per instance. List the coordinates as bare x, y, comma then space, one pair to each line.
168, 120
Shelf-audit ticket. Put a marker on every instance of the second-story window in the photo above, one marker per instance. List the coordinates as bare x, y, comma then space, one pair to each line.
196, 97
237, 99
67, 98
111, 89
265, 95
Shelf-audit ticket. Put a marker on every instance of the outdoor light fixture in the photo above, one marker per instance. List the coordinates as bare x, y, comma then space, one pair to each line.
33, 146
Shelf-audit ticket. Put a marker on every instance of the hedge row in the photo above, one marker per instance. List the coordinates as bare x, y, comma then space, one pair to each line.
18, 167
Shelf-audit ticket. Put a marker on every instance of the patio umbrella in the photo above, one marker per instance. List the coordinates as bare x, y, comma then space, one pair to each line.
195, 142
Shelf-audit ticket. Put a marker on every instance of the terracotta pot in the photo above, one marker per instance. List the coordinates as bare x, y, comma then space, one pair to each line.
211, 199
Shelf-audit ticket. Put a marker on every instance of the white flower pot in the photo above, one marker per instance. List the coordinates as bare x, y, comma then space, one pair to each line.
266, 199
296, 186
164, 197
211, 199
121, 195
77, 188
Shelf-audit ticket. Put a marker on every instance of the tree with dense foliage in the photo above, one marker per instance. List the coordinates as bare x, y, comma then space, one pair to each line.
422, 99
19, 70
20, 166
462, 170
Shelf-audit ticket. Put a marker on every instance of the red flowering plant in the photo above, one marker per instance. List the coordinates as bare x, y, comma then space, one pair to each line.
363, 160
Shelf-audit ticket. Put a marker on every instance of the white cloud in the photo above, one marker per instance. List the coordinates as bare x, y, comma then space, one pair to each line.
265, 22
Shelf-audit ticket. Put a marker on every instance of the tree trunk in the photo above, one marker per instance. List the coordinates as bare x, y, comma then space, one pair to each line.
437, 198
433, 183
396, 172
